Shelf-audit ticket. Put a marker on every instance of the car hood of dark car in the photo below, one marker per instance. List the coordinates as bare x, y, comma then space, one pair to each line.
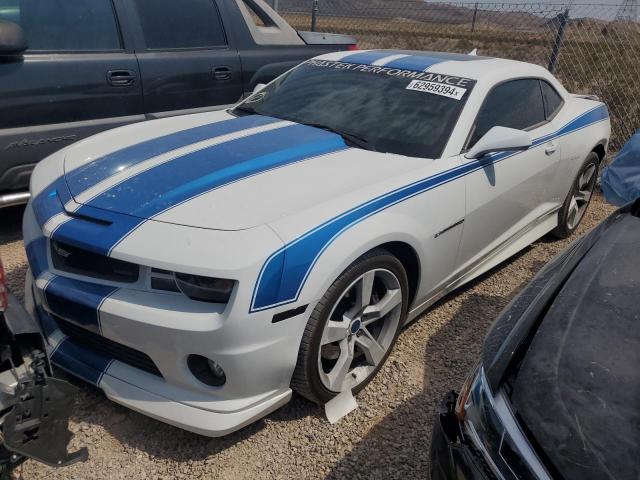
577, 388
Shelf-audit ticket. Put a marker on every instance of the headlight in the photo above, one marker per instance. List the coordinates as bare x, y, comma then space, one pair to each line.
461, 403
205, 289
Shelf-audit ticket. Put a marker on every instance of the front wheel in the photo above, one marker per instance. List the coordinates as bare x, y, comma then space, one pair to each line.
578, 199
353, 328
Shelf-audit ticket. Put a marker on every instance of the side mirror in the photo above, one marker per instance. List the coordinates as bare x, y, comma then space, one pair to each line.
500, 139
12, 39
259, 87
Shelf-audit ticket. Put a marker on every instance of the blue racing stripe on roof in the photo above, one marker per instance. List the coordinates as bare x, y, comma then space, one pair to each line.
365, 58
103, 167
414, 62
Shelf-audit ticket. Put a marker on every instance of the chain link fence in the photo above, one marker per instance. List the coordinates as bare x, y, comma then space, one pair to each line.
592, 48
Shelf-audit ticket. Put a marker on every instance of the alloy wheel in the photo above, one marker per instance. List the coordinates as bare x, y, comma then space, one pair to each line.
581, 195
360, 330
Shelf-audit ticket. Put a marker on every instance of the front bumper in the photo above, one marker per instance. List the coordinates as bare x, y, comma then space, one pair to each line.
258, 356
208, 411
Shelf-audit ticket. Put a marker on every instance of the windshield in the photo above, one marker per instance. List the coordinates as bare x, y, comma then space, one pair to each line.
382, 109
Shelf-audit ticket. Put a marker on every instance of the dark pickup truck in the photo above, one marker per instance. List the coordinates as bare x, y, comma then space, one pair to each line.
70, 69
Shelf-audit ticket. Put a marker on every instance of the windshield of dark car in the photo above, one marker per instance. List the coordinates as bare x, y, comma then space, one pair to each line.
391, 110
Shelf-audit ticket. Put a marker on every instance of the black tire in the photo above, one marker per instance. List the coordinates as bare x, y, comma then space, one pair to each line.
306, 377
564, 228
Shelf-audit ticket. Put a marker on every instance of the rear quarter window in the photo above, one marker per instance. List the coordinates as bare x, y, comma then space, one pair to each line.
552, 100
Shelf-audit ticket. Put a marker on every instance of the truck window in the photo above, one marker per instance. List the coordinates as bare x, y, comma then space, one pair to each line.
171, 24
61, 25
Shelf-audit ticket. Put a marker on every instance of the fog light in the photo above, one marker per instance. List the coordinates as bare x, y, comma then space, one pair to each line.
206, 370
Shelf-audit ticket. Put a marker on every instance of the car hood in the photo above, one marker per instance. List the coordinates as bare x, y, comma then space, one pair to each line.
578, 385
218, 171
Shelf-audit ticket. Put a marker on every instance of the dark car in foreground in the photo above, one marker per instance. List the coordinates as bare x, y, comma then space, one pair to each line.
34, 405
556, 393
70, 69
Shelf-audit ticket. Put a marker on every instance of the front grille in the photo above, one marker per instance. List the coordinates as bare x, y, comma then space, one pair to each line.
110, 348
82, 262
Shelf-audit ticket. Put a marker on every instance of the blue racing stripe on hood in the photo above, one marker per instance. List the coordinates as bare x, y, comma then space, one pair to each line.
82, 178
171, 183
125, 206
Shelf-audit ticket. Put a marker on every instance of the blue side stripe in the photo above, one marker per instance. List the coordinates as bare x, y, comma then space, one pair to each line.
89, 365
414, 62
285, 272
365, 58
159, 189
77, 301
101, 168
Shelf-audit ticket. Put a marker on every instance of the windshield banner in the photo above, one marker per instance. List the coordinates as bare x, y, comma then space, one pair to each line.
427, 77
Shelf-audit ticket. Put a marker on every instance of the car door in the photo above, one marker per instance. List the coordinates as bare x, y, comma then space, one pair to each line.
505, 197
76, 77
185, 59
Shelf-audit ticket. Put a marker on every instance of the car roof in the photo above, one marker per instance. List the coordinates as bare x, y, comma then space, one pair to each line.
483, 69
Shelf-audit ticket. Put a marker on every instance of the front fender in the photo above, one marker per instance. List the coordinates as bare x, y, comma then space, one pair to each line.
342, 250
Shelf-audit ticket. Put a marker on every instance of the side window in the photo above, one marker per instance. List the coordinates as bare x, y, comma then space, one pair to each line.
170, 24
552, 99
63, 25
515, 104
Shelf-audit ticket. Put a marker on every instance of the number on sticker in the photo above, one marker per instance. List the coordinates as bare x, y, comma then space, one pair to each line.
437, 88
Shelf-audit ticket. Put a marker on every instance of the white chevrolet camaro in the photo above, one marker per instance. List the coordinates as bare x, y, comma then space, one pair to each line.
200, 268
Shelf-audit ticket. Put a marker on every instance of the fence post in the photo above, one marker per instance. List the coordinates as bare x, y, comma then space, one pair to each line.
475, 13
314, 15
555, 52
274, 5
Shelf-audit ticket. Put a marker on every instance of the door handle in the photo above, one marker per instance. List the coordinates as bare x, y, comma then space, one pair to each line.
550, 148
121, 78
222, 73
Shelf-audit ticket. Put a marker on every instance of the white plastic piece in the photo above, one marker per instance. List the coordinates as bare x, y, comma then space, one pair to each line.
473, 52
340, 406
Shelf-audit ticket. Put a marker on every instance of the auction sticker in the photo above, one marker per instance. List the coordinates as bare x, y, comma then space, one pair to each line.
442, 89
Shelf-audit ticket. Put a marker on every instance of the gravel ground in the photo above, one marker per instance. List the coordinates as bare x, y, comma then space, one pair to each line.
387, 437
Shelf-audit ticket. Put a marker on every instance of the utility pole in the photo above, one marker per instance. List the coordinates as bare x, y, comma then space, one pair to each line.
563, 19
314, 15
475, 14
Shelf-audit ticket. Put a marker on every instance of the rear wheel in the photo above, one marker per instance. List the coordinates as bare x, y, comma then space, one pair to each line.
353, 328
576, 203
